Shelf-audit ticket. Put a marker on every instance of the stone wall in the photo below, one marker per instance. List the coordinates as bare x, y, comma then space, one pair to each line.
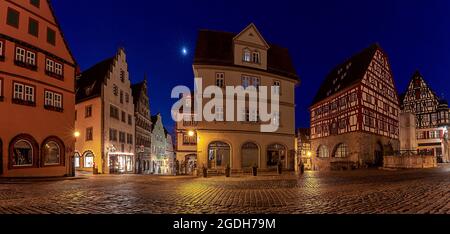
361, 150
410, 162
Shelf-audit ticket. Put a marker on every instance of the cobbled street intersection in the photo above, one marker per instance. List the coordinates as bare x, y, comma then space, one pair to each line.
363, 191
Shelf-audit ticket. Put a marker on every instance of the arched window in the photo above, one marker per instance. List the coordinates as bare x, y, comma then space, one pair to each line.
341, 151
250, 155
256, 57
218, 154
322, 152
275, 153
247, 55
88, 159
53, 152
77, 160
23, 152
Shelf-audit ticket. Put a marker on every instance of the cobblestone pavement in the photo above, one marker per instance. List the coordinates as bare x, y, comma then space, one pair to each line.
366, 191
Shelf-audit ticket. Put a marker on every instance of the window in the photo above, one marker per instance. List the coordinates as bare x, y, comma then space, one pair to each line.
124, 117
13, 18
189, 140
88, 111
114, 112
121, 96
77, 160
255, 82
115, 90
20, 55
88, 160
23, 94
121, 137
2, 46
52, 153
53, 100
341, 151
127, 97
322, 152
277, 87
33, 27
112, 134
256, 57
35, 3
89, 134
51, 36
122, 75
247, 56
50, 65
130, 139
25, 58
22, 153
245, 81
130, 120
53, 68
220, 80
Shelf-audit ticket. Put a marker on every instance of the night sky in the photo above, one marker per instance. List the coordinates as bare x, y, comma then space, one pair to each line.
319, 35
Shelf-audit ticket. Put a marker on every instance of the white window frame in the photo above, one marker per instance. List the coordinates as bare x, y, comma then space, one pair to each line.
31, 58
57, 100
247, 56
58, 68
49, 98
50, 65
1, 48
29, 93
256, 57
20, 54
19, 91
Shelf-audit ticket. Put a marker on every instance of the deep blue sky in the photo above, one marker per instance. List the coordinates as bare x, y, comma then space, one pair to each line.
319, 34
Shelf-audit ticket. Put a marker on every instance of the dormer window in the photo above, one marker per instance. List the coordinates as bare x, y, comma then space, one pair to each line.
247, 55
256, 57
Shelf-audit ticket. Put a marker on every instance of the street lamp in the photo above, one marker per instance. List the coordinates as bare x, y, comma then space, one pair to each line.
191, 133
76, 134
308, 154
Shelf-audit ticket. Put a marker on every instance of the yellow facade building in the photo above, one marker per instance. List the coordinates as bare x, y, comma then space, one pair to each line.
245, 59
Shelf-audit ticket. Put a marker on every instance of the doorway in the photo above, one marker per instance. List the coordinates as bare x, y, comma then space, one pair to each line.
378, 155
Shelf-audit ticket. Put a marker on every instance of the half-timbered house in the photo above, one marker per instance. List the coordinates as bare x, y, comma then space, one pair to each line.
355, 114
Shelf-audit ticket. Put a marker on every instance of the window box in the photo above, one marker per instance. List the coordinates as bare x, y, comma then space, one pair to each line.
54, 75
25, 65
53, 108
23, 102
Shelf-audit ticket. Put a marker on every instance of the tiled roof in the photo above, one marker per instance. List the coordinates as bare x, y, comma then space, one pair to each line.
216, 48
89, 83
346, 74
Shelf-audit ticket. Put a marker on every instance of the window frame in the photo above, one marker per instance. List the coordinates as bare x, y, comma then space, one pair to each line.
1, 89
2, 49
62, 151
88, 114
11, 10
24, 60
23, 99
220, 76
54, 68
49, 33
30, 21
89, 137
36, 3
53, 106
35, 152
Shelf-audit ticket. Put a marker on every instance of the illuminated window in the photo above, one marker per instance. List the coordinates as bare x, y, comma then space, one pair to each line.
322, 152
247, 55
23, 153
52, 153
88, 160
341, 151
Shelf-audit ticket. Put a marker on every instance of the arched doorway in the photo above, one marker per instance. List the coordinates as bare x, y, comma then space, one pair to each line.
77, 160
378, 155
250, 155
88, 157
190, 161
219, 154
276, 153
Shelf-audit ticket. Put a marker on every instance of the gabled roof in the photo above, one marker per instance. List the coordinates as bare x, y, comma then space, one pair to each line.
249, 27
216, 48
304, 134
136, 91
418, 75
350, 72
89, 83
